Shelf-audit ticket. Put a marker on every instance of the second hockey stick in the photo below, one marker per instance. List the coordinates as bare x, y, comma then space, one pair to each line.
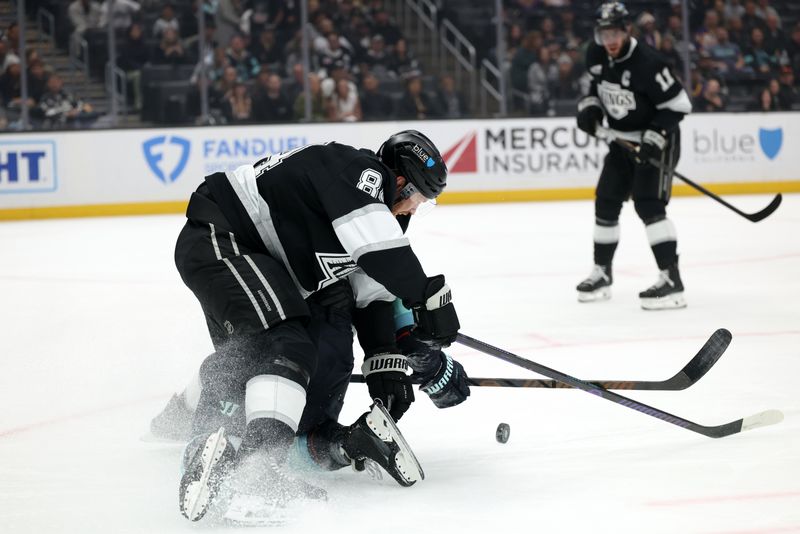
613, 136
693, 371
769, 417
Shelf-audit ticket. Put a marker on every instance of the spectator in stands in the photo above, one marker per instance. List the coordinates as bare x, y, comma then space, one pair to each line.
774, 38
337, 50
548, 29
383, 26
192, 43
270, 104
648, 33
170, 51
12, 37
765, 102
376, 57
710, 100
750, 19
335, 73
318, 107
567, 29
6, 57
166, 20
134, 53
83, 15
37, 80
567, 85
345, 105
261, 15
228, 17
60, 108
526, 55
294, 85
736, 31
732, 8
359, 35
793, 48
375, 104
671, 56
122, 16
706, 35
728, 58
238, 105
787, 93
401, 61
764, 11
415, 103
222, 86
3, 119
246, 65
11, 87
449, 102
542, 75
266, 50
757, 57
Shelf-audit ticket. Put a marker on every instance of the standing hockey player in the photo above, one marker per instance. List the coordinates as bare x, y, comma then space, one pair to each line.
260, 240
642, 100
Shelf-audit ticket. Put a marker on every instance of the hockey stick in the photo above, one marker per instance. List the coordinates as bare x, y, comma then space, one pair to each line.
693, 371
613, 136
769, 417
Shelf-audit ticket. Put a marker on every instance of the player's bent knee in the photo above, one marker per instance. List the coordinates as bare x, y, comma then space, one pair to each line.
607, 209
650, 210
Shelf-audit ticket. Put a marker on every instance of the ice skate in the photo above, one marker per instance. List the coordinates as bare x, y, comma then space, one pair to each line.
174, 423
207, 462
374, 436
262, 493
597, 286
666, 293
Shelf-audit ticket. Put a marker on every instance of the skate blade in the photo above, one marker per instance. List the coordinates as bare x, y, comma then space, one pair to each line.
197, 496
598, 295
670, 302
382, 424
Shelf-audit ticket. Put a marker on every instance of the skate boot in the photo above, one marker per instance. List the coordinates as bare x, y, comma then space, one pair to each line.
174, 423
208, 461
666, 293
597, 286
375, 437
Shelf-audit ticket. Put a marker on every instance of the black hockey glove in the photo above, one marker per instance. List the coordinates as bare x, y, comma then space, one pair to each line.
590, 114
441, 377
436, 319
336, 298
652, 147
387, 381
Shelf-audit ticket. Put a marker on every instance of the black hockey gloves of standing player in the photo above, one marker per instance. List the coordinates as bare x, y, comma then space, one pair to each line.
652, 146
442, 378
436, 319
386, 378
590, 114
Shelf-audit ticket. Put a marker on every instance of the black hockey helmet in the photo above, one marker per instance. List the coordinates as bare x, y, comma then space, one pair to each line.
412, 155
611, 15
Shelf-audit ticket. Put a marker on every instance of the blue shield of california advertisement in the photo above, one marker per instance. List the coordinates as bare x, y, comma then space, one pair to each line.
770, 141
155, 150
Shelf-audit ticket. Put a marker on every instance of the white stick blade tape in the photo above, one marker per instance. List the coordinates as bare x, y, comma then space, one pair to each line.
770, 417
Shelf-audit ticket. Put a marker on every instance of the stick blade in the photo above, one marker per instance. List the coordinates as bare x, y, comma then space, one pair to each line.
766, 212
708, 355
767, 418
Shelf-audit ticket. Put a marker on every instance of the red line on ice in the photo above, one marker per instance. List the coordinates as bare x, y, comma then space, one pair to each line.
726, 498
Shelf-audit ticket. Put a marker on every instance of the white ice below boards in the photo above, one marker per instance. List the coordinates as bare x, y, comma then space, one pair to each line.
98, 330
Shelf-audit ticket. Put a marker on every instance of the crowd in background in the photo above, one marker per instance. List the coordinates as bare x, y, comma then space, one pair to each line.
739, 50
744, 55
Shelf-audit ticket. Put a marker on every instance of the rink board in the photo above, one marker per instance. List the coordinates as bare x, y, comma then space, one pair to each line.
126, 172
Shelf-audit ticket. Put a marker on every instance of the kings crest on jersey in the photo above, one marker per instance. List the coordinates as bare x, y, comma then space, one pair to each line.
634, 87
324, 212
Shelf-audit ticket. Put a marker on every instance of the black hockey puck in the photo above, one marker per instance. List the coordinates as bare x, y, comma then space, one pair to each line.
502, 433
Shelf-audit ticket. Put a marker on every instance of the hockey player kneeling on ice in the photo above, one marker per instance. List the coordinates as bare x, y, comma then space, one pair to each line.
258, 242
636, 92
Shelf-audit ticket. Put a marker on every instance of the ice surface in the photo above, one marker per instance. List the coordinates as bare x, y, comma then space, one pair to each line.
98, 331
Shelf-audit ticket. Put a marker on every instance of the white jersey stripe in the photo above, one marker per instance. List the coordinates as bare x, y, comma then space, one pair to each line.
243, 182
367, 229
680, 103
233, 243
214, 241
247, 292
268, 287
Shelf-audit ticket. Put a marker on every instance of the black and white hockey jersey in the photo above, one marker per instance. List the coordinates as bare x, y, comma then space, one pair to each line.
323, 211
637, 91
